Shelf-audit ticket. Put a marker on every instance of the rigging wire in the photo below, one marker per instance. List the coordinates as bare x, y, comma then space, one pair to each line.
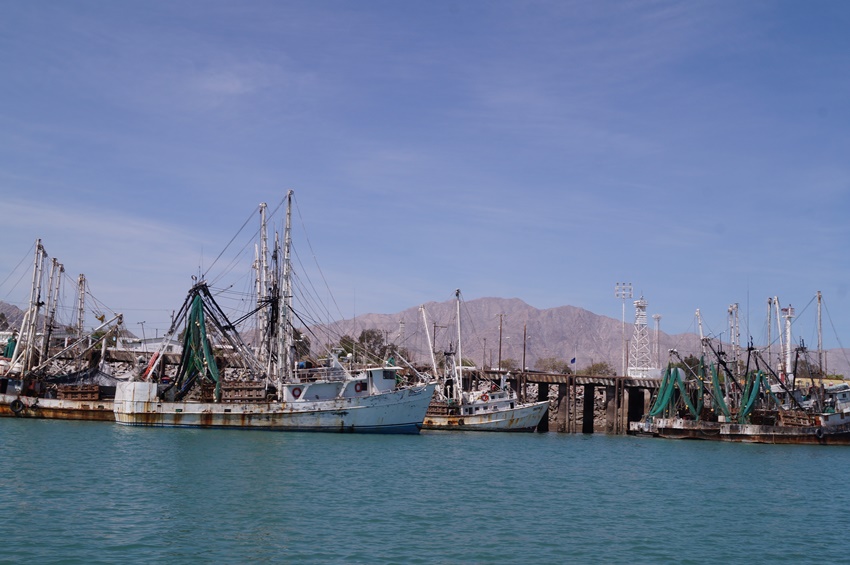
18, 266
310, 246
838, 339
228, 244
24, 274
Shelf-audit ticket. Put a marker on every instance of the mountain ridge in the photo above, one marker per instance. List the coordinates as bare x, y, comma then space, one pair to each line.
563, 332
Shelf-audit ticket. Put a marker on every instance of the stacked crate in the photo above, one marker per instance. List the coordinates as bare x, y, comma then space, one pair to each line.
239, 391
79, 392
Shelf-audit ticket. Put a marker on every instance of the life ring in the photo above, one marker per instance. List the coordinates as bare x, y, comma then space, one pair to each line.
359, 387
296, 392
484, 397
819, 433
17, 406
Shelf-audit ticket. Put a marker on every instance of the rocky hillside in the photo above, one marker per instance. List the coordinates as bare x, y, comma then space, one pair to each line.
565, 332
14, 315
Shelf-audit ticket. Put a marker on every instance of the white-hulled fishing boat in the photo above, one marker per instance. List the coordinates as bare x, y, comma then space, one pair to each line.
497, 408
369, 402
271, 393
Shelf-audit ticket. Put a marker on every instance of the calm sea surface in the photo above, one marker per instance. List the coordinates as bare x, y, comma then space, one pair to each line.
87, 492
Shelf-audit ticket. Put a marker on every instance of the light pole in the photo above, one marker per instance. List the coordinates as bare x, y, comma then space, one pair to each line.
623, 290
524, 341
657, 318
500, 342
521, 384
144, 343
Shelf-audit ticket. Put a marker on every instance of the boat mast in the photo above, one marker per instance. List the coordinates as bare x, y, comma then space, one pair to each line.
27, 337
778, 310
459, 365
521, 384
261, 316
285, 341
788, 314
81, 305
262, 282
81, 316
262, 287
428, 335
821, 356
769, 326
264, 251
56, 271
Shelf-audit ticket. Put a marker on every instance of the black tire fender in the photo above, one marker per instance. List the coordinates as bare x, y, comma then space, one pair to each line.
17, 406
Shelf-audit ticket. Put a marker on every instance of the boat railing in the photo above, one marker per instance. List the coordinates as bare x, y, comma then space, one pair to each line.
321, 374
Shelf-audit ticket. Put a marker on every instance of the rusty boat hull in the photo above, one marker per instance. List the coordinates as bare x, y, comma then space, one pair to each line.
397, 412
56, 409
522, 418
675, 428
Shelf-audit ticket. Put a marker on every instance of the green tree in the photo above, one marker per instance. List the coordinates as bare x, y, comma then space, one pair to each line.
689, 364
553, 365
372, 343
370, 347
510, 364
347, 344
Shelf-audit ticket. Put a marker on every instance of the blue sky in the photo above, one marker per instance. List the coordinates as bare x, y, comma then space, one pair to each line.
539, 150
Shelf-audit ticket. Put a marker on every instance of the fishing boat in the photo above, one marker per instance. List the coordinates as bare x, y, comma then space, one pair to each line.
227, 384
37, 384
83, 395
457, 405
763, 417
759, 405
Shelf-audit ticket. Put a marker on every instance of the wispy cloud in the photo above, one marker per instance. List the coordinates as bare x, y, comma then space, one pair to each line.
537, 149
132, 261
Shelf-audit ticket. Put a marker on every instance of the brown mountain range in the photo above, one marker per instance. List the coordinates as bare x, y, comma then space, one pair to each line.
564, 333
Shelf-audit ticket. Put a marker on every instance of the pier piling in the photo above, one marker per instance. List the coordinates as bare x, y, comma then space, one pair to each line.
573, 402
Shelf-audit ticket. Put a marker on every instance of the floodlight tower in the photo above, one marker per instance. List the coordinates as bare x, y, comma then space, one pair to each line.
788, 314
734, 334
623, 290
639, 358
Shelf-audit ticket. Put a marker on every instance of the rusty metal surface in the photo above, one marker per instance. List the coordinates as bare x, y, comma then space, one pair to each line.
396, 412
523, 419
57, 409
752, 433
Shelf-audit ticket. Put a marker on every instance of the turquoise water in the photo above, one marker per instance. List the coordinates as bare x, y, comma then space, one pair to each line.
86, 492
